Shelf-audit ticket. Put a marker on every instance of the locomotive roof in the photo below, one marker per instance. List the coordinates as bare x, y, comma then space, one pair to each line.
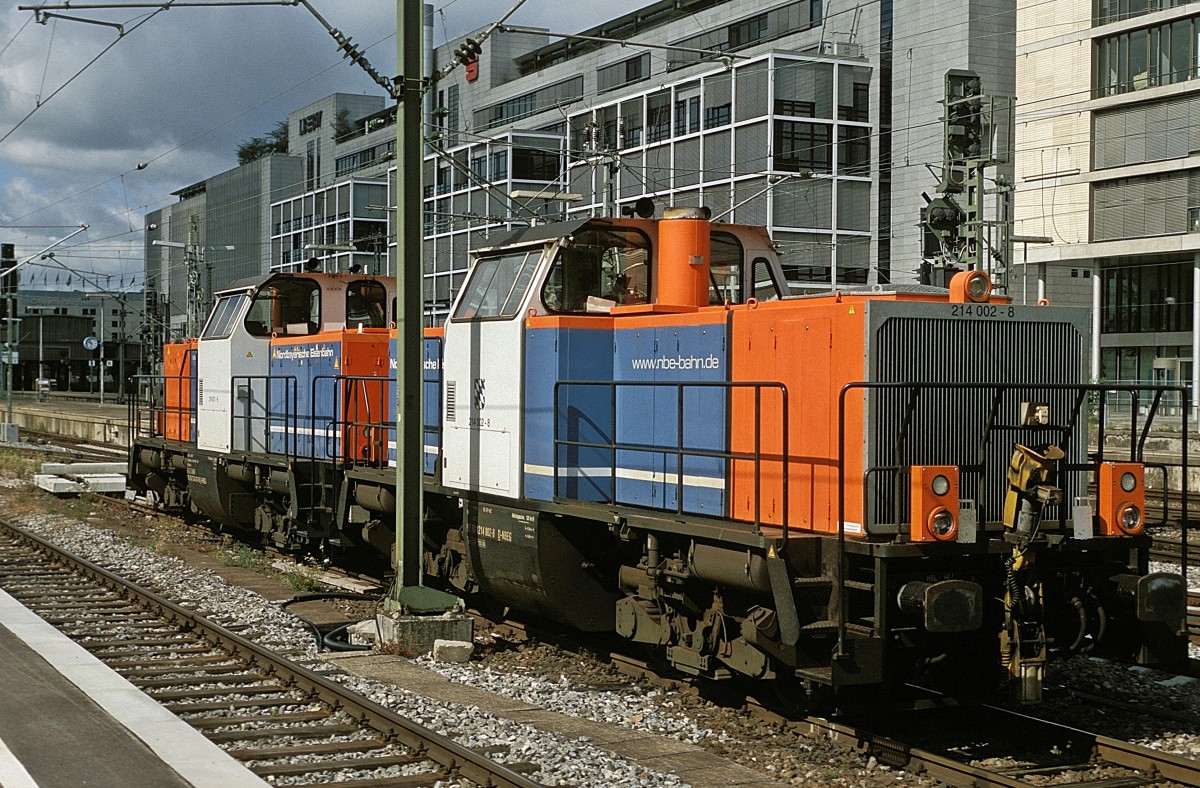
254, 282
873, 290
534, 234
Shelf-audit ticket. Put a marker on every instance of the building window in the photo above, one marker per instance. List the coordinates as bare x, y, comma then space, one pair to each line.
854, 150
860, 102
1141, 207
798, 109
1107, 11
312, 163
479, 167
1146, 298
747, 31
452, 108
624, 73
801, 146
716, 116
344, 165
658, 117
531, 164
1146, 58
523, 106
687, 116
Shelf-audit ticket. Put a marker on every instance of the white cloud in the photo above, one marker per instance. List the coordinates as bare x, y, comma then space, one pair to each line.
181, 92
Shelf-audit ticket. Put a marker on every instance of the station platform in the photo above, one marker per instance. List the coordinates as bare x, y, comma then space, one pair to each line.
72, 416
67, 719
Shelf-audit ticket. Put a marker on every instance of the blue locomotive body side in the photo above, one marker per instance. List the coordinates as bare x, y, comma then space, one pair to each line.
673, 421
303, 399
559, 354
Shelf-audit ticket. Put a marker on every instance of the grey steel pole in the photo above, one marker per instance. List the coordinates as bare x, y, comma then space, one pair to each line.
121, 355
101, 351
408, 595
409, 446
8, 341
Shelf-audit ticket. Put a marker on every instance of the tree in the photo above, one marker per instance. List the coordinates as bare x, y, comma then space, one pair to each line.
258, 147
342, 128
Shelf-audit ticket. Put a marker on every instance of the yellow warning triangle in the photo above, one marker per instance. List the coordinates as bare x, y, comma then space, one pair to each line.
335, 363
249, 354
771, 551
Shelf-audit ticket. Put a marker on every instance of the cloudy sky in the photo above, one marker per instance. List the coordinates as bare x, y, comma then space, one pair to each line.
178, 91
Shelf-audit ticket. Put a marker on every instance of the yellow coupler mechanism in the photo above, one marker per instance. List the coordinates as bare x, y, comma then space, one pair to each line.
1031, 487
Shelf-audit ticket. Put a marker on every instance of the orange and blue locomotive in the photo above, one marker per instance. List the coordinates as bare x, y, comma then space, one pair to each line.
632, 426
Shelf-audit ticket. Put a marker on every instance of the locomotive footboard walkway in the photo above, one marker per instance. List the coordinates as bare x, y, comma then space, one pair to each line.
274, 716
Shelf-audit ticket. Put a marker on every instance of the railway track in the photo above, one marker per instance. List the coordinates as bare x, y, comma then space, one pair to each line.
947, 762
993, 746
76, 448
964, 746
278, 717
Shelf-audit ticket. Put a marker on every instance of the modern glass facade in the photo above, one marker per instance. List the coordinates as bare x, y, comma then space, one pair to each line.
779, 140
468, 194
1142, 297
348, 214
1107, 11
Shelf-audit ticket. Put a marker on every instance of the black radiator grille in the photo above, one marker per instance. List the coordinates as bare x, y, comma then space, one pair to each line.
974, 428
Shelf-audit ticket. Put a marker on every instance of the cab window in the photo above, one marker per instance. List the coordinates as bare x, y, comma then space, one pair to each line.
285, 307
366, 305
497, 286
725, 270
765, 286
221, 321
598, 268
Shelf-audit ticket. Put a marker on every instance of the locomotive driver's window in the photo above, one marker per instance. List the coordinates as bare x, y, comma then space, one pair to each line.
725, 270
497, 285
765, 286
220, 323
366, 305
597, 269
286, 307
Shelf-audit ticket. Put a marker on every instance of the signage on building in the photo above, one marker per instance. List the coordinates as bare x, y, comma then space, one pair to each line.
310, 123
471, 68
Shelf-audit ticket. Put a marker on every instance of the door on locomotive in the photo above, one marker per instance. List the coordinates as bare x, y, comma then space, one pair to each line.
482, 364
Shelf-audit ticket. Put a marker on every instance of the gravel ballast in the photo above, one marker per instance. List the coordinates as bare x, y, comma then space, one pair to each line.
537, 674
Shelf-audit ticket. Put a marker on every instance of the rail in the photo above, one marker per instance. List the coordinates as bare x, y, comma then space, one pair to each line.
261, 404
150, 415
457, 760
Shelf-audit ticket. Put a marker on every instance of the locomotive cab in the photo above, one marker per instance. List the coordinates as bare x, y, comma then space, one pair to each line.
235, 343
589, 276
239, 395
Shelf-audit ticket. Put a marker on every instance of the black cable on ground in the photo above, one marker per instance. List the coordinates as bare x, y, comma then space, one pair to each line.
326, 641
